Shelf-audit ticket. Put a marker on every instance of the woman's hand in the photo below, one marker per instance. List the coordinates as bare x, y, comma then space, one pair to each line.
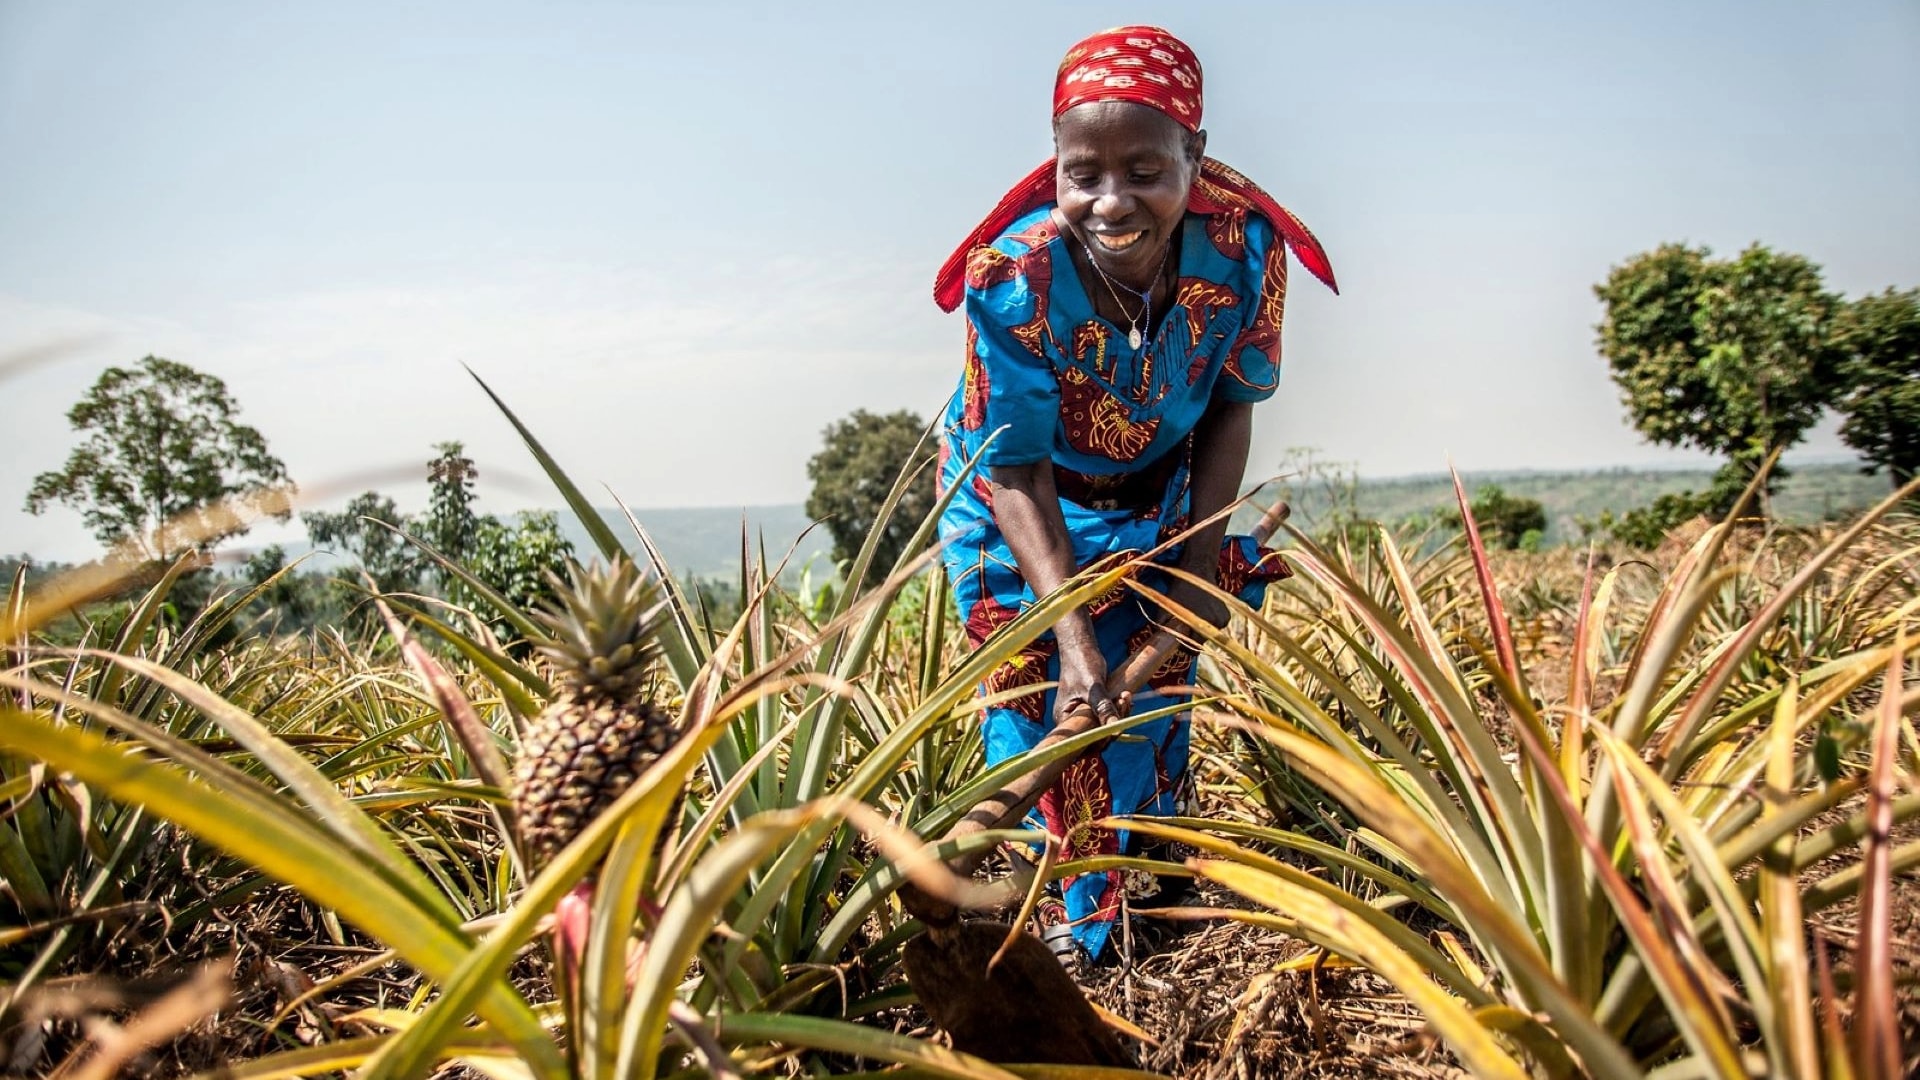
1083, 685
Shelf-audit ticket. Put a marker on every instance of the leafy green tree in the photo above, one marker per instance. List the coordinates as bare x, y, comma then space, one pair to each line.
1506, 520
514, 557
1880, 399
519, 558
365, 531
162, 462
1736, 357
862, 455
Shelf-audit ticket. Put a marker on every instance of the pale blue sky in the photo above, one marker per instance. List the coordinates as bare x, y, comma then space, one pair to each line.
681, 239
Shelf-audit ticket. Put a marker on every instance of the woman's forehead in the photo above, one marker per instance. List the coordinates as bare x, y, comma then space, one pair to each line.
1098, 128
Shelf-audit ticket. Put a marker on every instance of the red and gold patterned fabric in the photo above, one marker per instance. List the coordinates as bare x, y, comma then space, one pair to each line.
1046, 379
1142, 64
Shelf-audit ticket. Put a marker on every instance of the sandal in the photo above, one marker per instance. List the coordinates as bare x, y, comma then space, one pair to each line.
1057, 934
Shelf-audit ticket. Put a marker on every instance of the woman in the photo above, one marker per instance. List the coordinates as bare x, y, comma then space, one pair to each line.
1123, 309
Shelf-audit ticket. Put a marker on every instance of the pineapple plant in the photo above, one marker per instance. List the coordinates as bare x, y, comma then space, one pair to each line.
601, 730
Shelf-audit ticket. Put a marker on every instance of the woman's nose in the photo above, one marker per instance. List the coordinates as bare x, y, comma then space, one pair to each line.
1111, 204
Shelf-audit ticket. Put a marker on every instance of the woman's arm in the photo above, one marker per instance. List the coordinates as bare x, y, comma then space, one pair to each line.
1027, 509
1220, 443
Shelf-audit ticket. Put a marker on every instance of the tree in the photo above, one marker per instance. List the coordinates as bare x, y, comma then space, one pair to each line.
518, 559
1646, 526
1736, 357
1880, 379
515, 558
294, 601
163, 462
450, 524
854, 471
1508, 521
362, 531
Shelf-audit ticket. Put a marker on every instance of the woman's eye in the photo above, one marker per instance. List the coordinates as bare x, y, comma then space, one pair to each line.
1144, 178
1082, 180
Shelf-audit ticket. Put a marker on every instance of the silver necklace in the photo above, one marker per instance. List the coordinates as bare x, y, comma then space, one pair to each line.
1134, 337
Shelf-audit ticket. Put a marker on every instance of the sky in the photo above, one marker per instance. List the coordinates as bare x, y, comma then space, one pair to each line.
681, 239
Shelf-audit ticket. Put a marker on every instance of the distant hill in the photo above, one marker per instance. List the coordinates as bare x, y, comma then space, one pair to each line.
705, 542
1811, 493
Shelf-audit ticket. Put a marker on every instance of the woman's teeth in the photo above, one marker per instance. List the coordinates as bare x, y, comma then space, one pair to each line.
1118, 241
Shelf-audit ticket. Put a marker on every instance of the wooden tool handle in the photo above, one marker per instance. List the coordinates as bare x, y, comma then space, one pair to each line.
1012, 802
1270, 522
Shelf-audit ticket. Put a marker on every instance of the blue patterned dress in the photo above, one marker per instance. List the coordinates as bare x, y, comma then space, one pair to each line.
1060, 384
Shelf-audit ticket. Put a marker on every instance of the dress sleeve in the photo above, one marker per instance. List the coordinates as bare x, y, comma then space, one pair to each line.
1017, 390
1252, 368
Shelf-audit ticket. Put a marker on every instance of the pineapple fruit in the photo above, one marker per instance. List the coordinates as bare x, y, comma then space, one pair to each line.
601, 730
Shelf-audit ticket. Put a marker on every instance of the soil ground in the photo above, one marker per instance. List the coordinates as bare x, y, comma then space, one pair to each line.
1214, 998
1219, 1009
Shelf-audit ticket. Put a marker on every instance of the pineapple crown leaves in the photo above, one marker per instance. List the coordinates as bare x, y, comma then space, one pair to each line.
604, 621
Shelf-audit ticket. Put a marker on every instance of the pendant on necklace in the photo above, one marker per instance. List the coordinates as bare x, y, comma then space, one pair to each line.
1133, 336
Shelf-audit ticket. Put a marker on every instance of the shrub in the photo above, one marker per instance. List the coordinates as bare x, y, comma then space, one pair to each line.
1505, 520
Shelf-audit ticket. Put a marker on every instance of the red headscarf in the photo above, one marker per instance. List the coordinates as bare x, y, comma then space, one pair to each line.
1147, 66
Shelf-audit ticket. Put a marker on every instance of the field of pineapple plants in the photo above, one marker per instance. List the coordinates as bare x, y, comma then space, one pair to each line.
1462, 814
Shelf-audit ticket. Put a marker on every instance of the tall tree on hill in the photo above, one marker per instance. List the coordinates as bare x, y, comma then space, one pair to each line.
861, 456
164, 462
1880, 399
1737, 357
517, 558
450, 524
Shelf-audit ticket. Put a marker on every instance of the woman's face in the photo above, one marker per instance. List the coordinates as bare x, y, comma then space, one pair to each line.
1123, 176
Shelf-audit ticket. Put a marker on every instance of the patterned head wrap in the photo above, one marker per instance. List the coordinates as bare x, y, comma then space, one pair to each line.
1142, 64
1147, 66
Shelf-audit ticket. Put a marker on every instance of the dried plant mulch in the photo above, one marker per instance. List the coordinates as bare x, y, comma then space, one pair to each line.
1218, 1009
240, 986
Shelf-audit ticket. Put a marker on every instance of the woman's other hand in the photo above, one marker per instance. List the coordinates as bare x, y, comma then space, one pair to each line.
1027, 507
1220, 443
1205, 604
